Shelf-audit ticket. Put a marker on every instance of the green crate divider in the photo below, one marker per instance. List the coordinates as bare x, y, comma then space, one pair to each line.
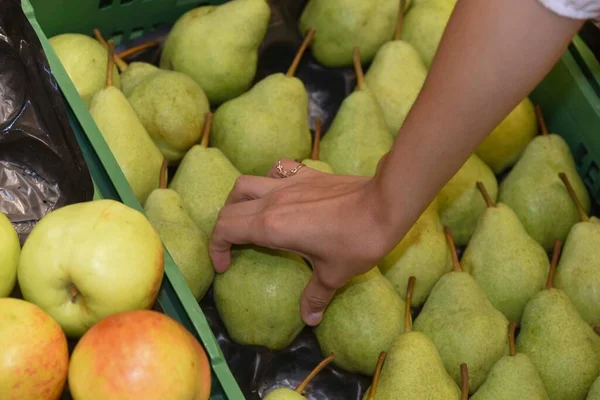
175, 298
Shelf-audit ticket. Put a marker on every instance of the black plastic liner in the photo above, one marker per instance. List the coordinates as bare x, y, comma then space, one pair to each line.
41, 165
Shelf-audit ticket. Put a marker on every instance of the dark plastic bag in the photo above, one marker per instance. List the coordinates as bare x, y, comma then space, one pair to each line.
41, 165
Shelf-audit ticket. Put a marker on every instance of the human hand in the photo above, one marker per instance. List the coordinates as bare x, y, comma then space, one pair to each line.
334, 221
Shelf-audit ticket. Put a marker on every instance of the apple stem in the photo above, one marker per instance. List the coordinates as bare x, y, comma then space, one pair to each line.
207, 128
485, 194
360, 75
553, 264
464, 373
122, 65
512, 327
409, 293
300, 388
109, 71
540, 118
317, 140
582, 214
310, 35
163, 174
398, 35
597, 329
452, 246
73, 292
135, 49
373, 389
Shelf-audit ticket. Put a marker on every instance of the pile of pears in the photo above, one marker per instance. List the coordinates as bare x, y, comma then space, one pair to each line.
516, 316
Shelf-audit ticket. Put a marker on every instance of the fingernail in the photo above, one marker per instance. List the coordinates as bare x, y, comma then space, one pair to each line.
314, 318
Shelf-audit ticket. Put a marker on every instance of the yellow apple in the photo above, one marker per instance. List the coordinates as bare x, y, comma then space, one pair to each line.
139, 355
9, 255
34, 358
86, 261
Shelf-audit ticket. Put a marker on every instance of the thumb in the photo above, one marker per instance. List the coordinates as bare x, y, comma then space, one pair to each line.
315, 298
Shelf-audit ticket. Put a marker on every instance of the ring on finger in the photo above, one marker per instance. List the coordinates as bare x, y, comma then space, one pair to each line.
284, 173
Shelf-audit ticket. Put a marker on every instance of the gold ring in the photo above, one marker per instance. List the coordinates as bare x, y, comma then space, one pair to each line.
284, 173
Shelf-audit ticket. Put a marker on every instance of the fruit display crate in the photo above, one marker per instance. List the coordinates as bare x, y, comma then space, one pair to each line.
569, 97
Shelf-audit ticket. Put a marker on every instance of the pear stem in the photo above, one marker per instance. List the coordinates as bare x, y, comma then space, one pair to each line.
597, 329
512, 327
162, 183
464, 373
300, 388
485, 194
207, 128
553, 264
450, 239
317, 140
409, 293
137, 49
582, 214
376, 375
122, 65
398, 35
310, 35
540, 118
109, 71
360, 75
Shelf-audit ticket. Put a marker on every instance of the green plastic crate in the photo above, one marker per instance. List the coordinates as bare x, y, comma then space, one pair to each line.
175, 298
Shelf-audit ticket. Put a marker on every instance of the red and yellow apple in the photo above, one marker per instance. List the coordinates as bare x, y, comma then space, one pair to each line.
34, 357
139, 355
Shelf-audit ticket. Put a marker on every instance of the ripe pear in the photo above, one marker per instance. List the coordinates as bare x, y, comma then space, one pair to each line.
413, 369
344, 24
362, 320
358, 136
395, 78
85, 61
579, 268
10, 249
204, 179
186, 243
460, 202
136, 73
314, 161
512, 377
594, 393
536, 194
422, 253
463, 324
563, 347
503, 147
258, 297
507, 263
218, 46
296, 394
267, 123
425, 24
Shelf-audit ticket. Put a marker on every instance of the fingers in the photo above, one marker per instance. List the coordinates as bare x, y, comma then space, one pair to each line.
287, 165
227, 232
315, 298
249, 187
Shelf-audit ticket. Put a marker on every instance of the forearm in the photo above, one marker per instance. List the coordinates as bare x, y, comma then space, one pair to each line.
492, 55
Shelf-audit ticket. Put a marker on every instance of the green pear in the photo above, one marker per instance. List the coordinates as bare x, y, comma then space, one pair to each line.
267, 123
84, 59
563, 347
507, 263
413, 369
314, 161
395, 78
186, 243
296, 394
258, 297
358, 136
512, 377
464, 326
362, 320
172, 108
136, 73
594, 393
534, 191
204, 179
579, 268
10, 249
345, 24
503, 147
137, 155
460, 202
422, 253
218, 46
425, 24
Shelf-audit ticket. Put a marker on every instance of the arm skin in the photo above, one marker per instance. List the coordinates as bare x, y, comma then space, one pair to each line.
493, 53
